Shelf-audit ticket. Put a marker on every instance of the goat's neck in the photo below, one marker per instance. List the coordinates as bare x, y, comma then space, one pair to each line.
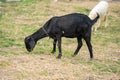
39, 35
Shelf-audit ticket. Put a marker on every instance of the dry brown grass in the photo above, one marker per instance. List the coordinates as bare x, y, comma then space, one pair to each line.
46, 67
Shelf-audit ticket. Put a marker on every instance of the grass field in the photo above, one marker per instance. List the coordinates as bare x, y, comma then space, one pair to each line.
20, 19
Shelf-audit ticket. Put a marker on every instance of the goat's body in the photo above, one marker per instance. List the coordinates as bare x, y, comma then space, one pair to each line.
102, 9
71, 26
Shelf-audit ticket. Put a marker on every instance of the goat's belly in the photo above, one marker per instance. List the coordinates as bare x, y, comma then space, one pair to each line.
70, 35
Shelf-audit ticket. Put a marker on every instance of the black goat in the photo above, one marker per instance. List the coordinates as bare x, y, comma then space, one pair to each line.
73, 25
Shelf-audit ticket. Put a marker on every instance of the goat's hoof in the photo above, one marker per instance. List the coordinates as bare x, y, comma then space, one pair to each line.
59, 56
91, 59
53, 52
74, 55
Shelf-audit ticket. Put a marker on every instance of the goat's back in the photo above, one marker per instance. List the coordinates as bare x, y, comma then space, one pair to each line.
101, 8
71, 21
71, 25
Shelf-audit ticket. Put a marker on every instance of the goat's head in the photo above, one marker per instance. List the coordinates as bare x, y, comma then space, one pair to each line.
29, 43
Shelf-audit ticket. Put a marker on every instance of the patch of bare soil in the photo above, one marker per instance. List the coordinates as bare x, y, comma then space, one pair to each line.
44, 67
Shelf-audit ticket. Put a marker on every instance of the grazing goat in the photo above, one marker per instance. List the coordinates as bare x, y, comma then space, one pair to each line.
102, 9
73, 25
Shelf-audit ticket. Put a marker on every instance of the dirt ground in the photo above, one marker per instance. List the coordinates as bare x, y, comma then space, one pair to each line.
38, 67
46, 67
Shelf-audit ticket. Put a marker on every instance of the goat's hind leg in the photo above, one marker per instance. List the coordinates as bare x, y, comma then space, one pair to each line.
79, 39
88, 39
54, 46
59, 46
106, 20
97, 25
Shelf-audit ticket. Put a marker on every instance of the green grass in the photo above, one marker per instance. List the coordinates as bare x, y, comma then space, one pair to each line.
20, 19
82, 10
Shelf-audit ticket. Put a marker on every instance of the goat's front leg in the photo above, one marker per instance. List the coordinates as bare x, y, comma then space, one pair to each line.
79, 40
59, 46
87, 39
54, 46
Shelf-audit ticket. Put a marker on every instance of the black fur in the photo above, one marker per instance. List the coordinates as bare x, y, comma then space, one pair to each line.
73, 25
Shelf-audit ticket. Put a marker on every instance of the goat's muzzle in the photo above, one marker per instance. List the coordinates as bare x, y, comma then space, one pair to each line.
29, 50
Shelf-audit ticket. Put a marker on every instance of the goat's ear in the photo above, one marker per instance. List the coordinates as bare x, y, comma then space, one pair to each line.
27, 39
30, 39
